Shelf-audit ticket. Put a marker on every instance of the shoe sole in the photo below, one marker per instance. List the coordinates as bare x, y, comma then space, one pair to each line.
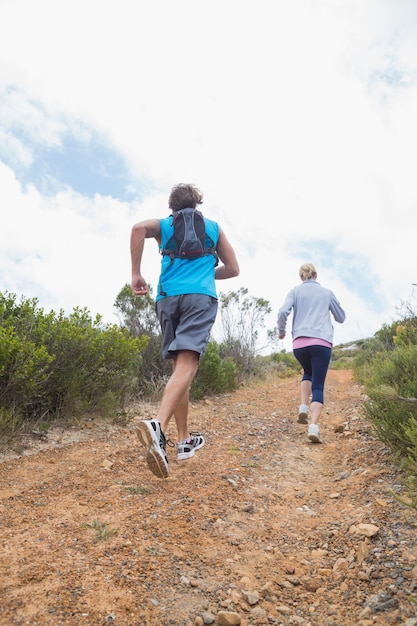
182, 456
154, 458
302, 418
314, 438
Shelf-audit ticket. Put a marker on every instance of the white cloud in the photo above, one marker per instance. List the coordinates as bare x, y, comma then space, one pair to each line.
296, 119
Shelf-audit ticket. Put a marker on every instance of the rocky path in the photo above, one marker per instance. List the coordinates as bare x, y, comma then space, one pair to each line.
260, 527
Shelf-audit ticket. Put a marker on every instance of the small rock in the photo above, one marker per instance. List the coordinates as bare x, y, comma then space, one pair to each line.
362, 551
285, 584
251, 597
218, 523
247, 508
319, 553
380, 602
340, 567
266, 590
228, 618
259, 614
283, 609
368, 530
312, 585
342, 476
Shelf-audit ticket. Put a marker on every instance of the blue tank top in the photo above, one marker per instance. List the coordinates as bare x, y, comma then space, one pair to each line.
182, 276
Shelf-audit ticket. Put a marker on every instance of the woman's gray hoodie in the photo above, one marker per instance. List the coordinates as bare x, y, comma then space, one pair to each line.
311, 303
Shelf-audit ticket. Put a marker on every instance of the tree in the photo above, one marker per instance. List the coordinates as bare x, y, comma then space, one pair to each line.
242, 316
137, 314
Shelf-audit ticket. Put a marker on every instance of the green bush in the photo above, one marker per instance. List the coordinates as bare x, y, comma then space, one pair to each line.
57, 366
406, 332
24, 368
24, 362
391, 388
10, 423
137, 314
283, 363
91, 360
214, 375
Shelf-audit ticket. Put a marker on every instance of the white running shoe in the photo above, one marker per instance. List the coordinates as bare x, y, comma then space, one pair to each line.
151, 436
303, 414
314, 434
186, 448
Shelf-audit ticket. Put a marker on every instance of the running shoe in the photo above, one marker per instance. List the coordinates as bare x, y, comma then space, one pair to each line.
153, 439
314, 434
186, 448
303, 414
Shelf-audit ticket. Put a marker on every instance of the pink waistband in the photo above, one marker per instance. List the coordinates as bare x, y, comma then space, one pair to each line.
304, 342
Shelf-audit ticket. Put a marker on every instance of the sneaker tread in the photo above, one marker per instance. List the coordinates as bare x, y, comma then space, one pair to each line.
155, 452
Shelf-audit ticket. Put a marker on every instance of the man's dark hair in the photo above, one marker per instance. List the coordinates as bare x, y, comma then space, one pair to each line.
184, 196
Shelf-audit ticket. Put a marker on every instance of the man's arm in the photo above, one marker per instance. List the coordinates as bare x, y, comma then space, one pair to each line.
227, 256
140, 232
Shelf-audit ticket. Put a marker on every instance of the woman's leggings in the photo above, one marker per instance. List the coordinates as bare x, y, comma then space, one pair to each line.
315, 362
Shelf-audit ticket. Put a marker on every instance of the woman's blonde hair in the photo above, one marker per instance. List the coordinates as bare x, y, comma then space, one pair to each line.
307, 271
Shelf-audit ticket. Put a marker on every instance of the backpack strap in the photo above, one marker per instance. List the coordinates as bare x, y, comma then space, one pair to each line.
171, 249
212, 250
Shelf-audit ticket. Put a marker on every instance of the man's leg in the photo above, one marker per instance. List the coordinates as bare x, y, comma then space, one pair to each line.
185, 368
181, 416
151, 433
175, 398
184, 320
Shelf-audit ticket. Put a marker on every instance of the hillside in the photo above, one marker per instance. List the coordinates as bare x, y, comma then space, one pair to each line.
260, 527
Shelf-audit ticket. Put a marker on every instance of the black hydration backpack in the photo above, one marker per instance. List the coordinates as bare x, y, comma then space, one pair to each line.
190, 240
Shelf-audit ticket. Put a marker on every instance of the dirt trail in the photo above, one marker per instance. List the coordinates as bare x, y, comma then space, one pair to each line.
260, 527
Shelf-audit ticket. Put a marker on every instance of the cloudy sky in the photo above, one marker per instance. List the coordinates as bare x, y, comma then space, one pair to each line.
296, 118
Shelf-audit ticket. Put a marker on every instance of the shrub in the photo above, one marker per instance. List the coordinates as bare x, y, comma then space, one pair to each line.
10, 423
392, 405
57, 366
138, 316
285, 363
24, 369
214, 375
91, 361
24, 362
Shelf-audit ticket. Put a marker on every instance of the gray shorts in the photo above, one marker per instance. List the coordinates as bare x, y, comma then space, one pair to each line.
186, 322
